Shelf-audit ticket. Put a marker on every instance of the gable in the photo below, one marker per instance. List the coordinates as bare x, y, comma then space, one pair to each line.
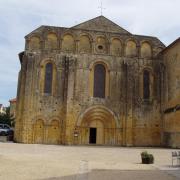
173, 45
101, 23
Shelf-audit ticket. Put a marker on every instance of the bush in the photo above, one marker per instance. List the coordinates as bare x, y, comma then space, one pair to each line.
147, 158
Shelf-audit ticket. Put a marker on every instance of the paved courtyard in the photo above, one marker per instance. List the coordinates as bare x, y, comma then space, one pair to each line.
51, 162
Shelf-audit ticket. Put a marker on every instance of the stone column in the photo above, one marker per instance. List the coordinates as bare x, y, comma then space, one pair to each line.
128, 124
162, 95
108, 47
138, 51
70, 80
77, 46
93, 43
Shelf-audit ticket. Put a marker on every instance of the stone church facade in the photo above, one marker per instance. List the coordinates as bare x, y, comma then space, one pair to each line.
96, 83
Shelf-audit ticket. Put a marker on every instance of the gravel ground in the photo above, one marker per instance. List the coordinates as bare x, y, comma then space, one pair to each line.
51, 162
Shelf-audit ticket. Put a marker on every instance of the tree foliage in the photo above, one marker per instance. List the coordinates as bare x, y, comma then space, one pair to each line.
6, 118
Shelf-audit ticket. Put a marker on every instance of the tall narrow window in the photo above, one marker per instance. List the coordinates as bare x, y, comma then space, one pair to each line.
48, 78
99, 81
146, 85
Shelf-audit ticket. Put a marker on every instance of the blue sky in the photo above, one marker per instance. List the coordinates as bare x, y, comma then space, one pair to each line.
160, 18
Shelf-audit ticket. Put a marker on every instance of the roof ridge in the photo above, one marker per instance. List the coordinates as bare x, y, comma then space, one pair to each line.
97, 25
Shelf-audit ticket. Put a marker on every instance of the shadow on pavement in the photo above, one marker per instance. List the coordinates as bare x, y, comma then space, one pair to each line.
120, 175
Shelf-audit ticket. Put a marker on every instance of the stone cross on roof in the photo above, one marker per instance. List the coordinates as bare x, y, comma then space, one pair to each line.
101, 8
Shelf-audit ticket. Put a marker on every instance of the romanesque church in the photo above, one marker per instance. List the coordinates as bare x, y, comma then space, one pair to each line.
97, 83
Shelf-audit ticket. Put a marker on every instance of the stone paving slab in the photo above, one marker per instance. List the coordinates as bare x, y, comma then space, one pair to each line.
34, 161
3, 138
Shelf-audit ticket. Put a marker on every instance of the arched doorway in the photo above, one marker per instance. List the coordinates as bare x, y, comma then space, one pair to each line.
96, 132
98, 125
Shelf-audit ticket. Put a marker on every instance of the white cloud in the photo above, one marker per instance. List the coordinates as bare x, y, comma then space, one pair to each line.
17, 18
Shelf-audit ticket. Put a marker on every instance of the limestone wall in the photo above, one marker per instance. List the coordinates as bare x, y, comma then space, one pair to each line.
171, 57
123, 117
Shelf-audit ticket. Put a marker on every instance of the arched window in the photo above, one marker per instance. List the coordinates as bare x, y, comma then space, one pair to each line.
99, 81
48, 78
146, 85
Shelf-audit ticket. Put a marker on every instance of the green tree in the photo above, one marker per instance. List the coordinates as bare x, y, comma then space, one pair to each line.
6, 118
